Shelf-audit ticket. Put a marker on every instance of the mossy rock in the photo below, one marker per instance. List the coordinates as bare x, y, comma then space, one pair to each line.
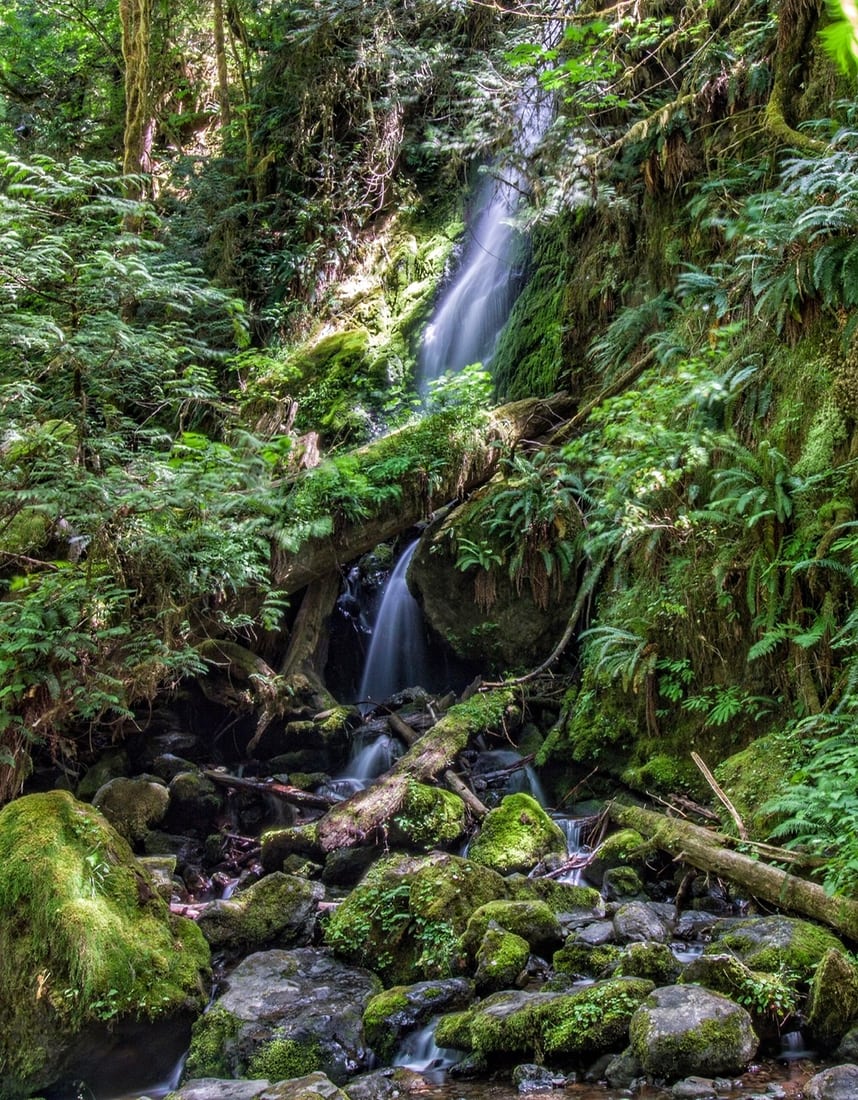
404, 919
516, 835
301, 840
85, 937
773, 944
663, 774
622, 884
624, 848
429, 817
501, 958
278, 909
585, 960
562, 897
391, 1014
284, 1059
768, 997
110, 765
132, 806
578, 1025
534, 921
832, 1003
654, 961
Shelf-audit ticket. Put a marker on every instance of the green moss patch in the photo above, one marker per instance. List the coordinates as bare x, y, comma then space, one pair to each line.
516, 836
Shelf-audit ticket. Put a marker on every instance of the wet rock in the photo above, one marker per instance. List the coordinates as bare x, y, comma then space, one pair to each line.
684, 1030
622, 884
624, 848
637, 921
285, 1014
654, 961
167, 766
301, 840
278, 908
195, 802
161, 869
694, 1088
516, 836
533, 921
347, 866
501, 960
584, 960
84, 936
529, 1078
595, 934
623, 1069
390, 1083
391, 1014
310, 1087
132, 806
112, 764
847, 1050
693, 924
836, 1083
832, 1003
213, 1088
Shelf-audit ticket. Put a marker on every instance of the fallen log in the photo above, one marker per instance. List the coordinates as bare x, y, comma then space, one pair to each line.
270, 786
705, 850
362, 818
451, 781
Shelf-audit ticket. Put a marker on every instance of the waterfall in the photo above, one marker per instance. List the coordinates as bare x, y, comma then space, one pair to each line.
476, 306
398, 655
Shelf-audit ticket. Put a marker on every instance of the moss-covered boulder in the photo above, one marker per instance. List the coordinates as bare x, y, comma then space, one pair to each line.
577, 1026
85, 937
285, 1014
279, 843
279, 908
516, 835
429, 817
195, 801
683, 1031
563, 897
654, 961
832, 1003
405, 917
393, 1013
775, 943
132, 806
624, 848
501, 959
585, 960
534, 921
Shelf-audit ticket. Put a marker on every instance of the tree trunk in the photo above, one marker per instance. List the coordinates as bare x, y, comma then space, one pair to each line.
222, 67
362, 818
705, 850
420, 494
136, 19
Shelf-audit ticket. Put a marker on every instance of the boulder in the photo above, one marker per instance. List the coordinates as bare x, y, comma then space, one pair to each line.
301, 840
285, 1014
195, 802
775, 943
832, 1003
132, 806
654, 961
534, 921
529, 1078
429, 817
516, 835
683, 1031
391, 1014
501, 960
584, 960
279, 908
85, 938
639, 921
624, 848
836, 1083
390, 1083
213, 1088
404, 919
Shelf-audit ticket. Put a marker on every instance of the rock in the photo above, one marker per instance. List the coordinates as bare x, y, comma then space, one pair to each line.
161, 870
391, 1014
300, 840
390, 1083
110, 765
501, 959
575, 1025
516, 836
85, 938
529, 1078
132, 806
534, 921
596, 934
195, 802
638, 921
404, 919
347, 866
775, 943
213, 1088
569, 902
430, 817
314, 1086
622, 884
285, 1014
584, 960
279, 908
847, 1050
654, 961
622, 1069
694, 1088
624, 848
684, 1030
832, 1002
836, 1083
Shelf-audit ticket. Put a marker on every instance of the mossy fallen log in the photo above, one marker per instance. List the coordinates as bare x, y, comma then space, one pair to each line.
704, 850
363, 818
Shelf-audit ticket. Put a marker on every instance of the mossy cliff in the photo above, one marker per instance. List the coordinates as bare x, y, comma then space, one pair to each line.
85, 937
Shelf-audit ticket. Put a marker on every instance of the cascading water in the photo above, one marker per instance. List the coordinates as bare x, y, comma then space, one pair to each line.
398, 655
476, 306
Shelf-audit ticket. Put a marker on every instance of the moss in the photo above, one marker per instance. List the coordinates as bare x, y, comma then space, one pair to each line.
583, 960
429, 817
563, 897
750, 777
654, 961
454, 1030
710, 1047
501, 958
534, 921
284, 1059
516, 836
832, 1003
132, 806
622, 882
277, 906
85, 935
596, 1019
662, 774
776, 944
380, 1035
210, 1051
277, 844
